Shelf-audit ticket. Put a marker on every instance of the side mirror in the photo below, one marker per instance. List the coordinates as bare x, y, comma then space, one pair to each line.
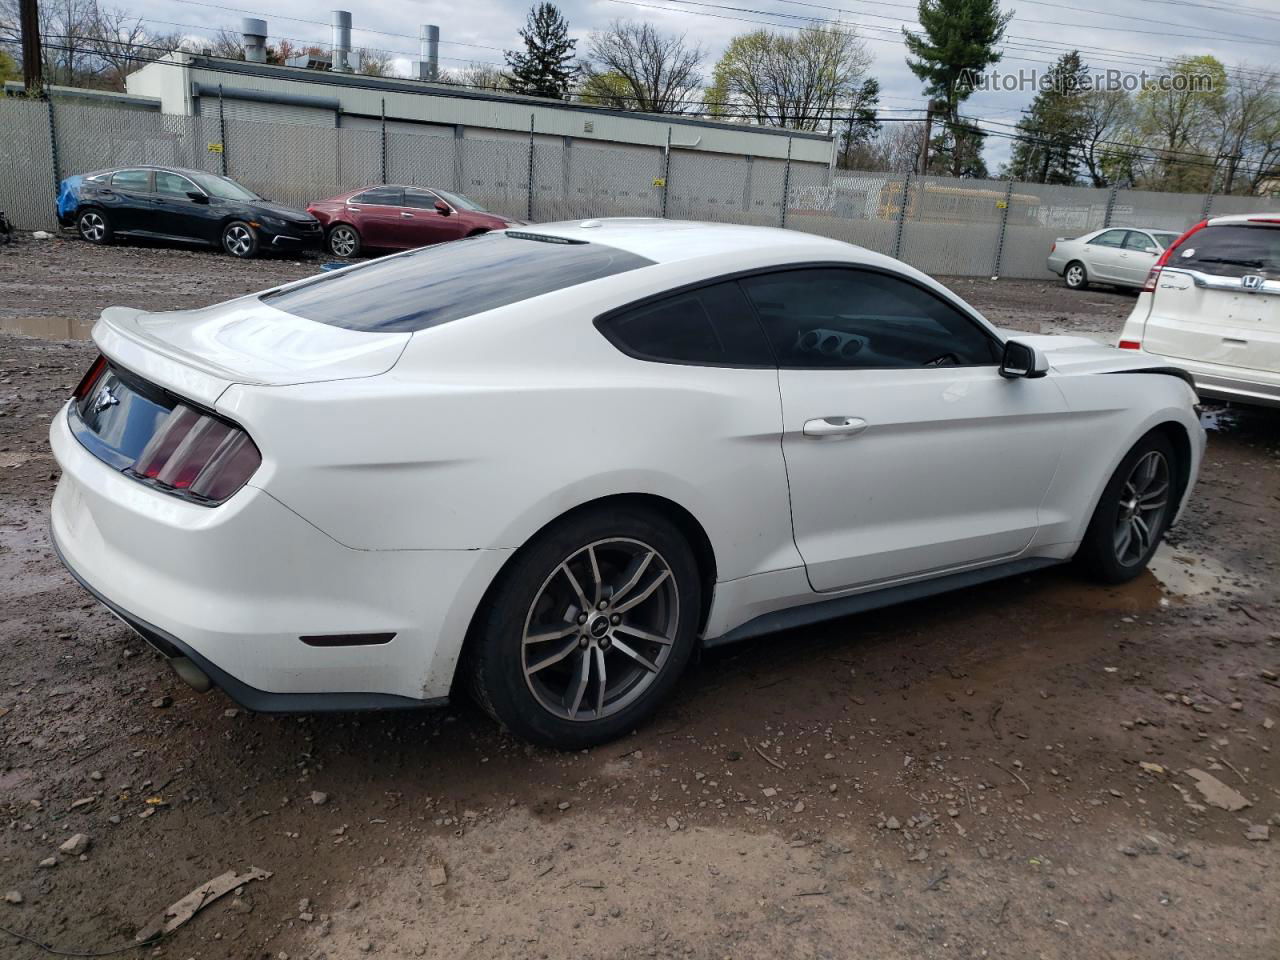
442, 208
1021, 360
197, 196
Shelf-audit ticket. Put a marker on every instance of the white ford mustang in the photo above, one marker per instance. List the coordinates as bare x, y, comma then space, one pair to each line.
552, 461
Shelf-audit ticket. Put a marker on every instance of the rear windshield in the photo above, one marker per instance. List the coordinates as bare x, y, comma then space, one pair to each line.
1231, 250
449, 281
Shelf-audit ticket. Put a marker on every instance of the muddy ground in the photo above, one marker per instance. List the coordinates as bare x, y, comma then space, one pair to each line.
997, 773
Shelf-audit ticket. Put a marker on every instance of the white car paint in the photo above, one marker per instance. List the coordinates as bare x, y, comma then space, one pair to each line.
1116, 255
1209, 323
400, 472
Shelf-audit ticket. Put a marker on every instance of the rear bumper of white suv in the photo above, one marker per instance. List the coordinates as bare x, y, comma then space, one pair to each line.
1217, 382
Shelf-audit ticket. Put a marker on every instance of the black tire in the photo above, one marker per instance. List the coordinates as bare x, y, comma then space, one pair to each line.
531, 586
93, 225
343, 240
1100, 555
240, 240
1075, 276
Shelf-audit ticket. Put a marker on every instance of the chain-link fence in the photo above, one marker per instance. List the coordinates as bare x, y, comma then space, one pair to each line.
939, 224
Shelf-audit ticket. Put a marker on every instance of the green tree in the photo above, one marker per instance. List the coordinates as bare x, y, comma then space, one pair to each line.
1180, 121
546, 67
860, 126
8, 68
958, 39
608, 90
1054, 127
795, 80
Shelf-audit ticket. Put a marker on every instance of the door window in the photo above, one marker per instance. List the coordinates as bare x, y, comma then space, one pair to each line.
1139, 241
172, 184
710, 326
420, 199
134, 181
833, 317
1112, 238
385, 196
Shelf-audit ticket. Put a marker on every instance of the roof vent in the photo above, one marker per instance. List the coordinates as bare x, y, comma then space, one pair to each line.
253, 33
428, 67
341, 21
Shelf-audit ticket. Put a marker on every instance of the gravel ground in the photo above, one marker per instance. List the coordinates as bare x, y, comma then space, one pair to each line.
998, 773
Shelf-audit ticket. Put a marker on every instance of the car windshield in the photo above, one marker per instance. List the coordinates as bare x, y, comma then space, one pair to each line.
223, 188
461, 202
1164, 239
1232, 250
448, 281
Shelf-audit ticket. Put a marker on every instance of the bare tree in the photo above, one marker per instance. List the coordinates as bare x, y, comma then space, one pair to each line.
226, 43
789, 80
1250, 123
1106, 115
374, 63
123, 44
480, 75
660, 70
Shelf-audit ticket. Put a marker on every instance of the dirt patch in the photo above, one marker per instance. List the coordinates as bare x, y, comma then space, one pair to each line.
998, 772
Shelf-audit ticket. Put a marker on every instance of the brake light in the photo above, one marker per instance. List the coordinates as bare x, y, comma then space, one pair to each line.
1264, 219
91, 377
198, 454
1153, 274
1053, 246
1129, 345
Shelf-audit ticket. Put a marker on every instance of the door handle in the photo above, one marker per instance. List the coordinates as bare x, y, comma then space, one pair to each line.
834, 427
406, 216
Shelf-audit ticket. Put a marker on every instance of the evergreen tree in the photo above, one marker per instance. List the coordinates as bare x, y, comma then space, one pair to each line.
958, 39
546, 67
1054, 127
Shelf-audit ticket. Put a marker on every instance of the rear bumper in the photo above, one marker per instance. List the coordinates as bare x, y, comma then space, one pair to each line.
234, 588
1216, 382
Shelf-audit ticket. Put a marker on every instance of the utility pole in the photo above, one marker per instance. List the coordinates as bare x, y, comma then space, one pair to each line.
32, 61
934, 106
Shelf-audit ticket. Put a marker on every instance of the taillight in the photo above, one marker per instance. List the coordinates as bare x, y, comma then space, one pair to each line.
199, 455
1153, 274
1129, 345
91, 377
1053, 246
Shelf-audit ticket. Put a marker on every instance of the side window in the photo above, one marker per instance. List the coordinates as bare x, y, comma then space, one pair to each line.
1112, 238
173, 185
1139, 241
420, 199
132, 180
712, 325
385, 196
836, 317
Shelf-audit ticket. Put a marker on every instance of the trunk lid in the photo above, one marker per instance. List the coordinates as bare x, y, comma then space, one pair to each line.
199, 353
1217, 300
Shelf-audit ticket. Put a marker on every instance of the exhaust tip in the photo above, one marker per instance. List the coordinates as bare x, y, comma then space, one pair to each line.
191, 675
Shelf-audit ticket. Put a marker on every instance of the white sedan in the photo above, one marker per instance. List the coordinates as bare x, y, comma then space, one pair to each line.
550, 462
1211, 306
1120, 256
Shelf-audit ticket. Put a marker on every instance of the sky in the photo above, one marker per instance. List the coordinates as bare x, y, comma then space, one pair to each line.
1243, 34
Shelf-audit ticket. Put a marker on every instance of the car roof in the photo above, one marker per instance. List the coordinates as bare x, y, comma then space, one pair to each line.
184, 171
670, 241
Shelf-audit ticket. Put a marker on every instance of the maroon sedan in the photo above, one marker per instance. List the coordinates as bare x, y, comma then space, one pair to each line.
399, 218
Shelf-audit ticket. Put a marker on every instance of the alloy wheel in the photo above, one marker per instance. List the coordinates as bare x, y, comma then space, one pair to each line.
92, 226
1075, 275
1144, 501
600, 629
238, 240
342, 241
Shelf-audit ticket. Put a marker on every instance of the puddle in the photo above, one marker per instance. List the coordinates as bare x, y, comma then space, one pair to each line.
1191, 575
1219, 419
47, 328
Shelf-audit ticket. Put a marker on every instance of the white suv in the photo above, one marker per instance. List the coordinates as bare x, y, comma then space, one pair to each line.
1211, 305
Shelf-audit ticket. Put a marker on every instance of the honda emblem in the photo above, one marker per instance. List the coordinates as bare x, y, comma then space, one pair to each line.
1252, 282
